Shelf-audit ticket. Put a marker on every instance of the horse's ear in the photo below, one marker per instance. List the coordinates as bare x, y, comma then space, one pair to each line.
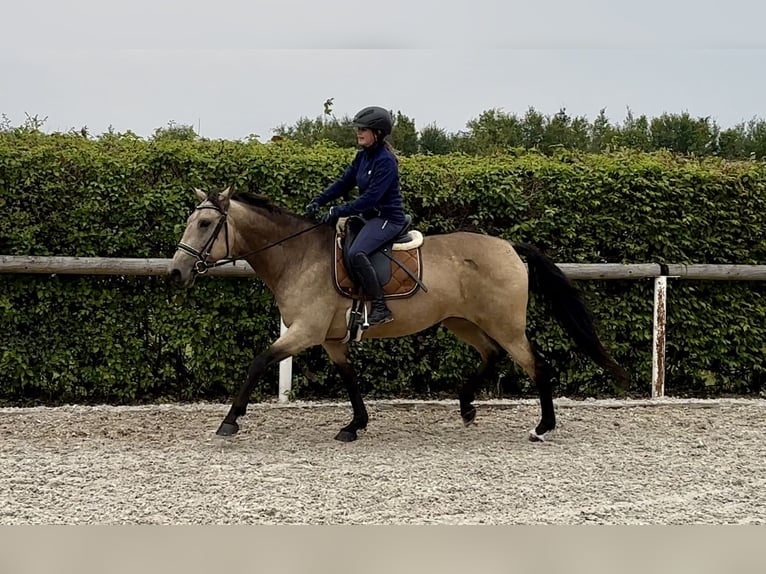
225, 197
200, 194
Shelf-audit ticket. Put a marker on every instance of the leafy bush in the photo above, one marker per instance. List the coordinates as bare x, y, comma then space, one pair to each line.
137, 339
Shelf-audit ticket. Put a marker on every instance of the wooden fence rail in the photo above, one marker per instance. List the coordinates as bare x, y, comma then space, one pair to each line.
135, 266
578, 271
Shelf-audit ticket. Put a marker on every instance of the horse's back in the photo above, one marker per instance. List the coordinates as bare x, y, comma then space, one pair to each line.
477, 251
469, 265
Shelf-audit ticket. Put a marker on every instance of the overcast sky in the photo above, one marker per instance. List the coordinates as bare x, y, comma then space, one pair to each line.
235, 67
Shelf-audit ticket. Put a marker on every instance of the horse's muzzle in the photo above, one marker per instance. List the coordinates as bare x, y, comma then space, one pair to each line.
181, 278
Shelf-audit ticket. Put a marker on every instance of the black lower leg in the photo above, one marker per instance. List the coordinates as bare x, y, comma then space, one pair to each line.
468, 393
544, 383
229, 426
360, 418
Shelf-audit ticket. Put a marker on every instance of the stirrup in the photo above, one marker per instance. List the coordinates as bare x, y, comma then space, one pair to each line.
354, 322
386, 319
366, 321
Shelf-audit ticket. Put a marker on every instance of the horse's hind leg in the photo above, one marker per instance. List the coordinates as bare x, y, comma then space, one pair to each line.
490, 352
513, 339
529, 358
338, 353
543, 378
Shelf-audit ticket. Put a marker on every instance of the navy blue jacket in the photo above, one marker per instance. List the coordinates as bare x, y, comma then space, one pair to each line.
376, 172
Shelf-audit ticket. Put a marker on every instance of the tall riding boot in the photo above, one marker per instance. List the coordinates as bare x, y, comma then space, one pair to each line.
379, 312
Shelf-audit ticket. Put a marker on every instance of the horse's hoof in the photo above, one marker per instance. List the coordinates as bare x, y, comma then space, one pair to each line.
534, 437
227, 429
346, 435
469, 417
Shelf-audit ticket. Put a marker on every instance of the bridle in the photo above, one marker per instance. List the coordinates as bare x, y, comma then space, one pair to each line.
202, 265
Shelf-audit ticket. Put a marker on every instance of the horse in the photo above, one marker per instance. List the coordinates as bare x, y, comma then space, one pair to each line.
473, 284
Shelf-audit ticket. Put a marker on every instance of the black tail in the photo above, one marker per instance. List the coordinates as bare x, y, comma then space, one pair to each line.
569, 309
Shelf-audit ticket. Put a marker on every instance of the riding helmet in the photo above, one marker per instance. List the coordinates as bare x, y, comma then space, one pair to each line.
374, 118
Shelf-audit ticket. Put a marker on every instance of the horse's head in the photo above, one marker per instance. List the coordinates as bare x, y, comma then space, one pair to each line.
205, 240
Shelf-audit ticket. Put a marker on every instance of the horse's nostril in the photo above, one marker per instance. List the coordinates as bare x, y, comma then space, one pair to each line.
175, 275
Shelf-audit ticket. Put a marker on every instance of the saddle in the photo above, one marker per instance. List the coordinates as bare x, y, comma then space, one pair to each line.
398, 263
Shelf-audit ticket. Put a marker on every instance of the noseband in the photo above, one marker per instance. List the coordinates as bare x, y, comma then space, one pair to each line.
201, 266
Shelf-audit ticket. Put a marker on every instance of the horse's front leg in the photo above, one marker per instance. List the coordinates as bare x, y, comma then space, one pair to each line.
338, 353
292, 342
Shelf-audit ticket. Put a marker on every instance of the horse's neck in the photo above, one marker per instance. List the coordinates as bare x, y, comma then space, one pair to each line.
276, 266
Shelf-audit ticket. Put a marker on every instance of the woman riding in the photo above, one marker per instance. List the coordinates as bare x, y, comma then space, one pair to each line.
375, 170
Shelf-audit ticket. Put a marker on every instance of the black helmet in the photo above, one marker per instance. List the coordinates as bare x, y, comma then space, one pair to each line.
374, 118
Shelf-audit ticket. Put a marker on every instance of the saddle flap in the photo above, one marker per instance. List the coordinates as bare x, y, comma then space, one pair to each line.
397, 283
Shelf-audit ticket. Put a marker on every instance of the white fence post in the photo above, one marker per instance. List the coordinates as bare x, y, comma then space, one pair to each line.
658, 336
285, 370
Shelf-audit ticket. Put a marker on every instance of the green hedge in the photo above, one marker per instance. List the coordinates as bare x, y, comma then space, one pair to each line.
137, 339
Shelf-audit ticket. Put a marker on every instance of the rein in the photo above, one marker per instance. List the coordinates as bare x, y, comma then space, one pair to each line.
201, 266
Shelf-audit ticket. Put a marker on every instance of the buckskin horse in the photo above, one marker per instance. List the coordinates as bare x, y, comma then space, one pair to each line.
473, 284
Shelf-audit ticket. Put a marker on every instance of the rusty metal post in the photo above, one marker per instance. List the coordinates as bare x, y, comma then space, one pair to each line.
658, 346
285, 370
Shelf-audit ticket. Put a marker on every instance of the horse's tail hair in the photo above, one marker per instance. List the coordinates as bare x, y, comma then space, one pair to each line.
547, 279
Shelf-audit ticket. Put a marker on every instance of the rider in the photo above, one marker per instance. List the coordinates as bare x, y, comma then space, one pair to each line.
375, 170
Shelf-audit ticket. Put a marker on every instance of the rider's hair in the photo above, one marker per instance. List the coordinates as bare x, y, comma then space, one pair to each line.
386, 144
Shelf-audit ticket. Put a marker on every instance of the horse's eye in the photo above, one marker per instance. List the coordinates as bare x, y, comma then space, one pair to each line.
204, 223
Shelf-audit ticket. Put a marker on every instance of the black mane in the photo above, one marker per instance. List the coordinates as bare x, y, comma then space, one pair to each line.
257, 200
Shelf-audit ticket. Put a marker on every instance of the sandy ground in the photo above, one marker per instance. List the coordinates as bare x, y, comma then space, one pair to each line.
609, 462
